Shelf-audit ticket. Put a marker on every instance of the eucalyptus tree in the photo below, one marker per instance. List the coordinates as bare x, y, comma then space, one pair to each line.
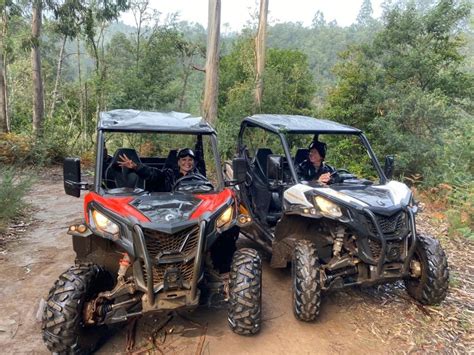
209, 107
38, 94
260, 48
8, 9
88, 19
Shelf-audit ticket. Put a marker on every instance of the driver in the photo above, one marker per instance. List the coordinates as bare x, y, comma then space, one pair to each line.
314, 168
163, 179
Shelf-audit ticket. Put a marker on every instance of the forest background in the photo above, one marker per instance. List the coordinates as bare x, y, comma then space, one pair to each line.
407, 79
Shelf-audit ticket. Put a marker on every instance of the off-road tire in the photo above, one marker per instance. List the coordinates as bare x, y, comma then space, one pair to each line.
306, 281
432, 286
245, 292
62, 323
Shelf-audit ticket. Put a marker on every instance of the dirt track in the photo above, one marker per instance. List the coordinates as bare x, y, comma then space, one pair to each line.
374, 320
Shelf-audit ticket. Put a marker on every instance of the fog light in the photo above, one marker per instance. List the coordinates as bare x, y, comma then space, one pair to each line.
244, 219
81, 228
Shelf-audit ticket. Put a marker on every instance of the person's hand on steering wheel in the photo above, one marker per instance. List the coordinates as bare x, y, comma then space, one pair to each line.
324, 178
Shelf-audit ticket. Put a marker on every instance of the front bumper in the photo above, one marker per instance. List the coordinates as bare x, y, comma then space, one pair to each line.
388, 247
169, 280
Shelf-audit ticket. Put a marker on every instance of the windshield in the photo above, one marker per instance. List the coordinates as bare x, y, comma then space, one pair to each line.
341, 153
134, 162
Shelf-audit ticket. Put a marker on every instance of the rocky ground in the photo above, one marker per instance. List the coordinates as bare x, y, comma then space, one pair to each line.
35, 250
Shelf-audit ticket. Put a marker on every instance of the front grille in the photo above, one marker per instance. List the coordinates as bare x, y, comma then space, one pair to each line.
390, 226
181, 245
395, 251
375, 248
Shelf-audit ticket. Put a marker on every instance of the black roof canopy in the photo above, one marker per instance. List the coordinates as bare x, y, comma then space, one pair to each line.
148, 121
297, 124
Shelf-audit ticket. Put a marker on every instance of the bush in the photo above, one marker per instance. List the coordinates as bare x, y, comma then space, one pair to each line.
13, 187
24, 150
14, 148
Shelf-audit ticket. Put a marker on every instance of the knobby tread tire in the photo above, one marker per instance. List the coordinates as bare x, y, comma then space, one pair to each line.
432, 286
306, 281
63, 330
245, 292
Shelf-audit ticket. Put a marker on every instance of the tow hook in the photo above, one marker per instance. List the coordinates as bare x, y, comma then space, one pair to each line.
415, 268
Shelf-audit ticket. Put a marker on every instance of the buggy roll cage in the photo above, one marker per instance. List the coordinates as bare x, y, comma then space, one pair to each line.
294, 124
133, 121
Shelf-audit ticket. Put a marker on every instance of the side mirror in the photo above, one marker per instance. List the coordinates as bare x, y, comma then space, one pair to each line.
388, 168
239, 167
274, 167
72, 176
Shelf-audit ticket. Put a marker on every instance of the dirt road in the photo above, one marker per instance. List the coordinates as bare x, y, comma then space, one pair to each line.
374, 320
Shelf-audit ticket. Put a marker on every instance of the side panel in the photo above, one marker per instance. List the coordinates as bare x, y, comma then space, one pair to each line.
97, 250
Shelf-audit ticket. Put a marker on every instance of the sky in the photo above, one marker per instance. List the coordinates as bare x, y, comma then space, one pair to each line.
236, 13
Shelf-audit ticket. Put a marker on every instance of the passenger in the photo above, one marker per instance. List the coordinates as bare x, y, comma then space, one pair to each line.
163, 179
314, 168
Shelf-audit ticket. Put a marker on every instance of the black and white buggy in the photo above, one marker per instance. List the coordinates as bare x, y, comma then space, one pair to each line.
351, 231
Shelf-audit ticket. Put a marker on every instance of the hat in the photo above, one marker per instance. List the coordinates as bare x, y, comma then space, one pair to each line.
320, 147
186, 152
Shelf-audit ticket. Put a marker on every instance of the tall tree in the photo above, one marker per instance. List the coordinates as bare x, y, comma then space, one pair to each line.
209, 108
5, 8
4, 122
365, 13
260, 48
38, 94
142, 15
54, 95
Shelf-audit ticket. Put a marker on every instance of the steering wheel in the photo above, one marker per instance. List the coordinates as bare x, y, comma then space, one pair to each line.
339, 175
192, 182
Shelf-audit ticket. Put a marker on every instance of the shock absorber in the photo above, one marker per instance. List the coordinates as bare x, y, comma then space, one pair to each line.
338, 242
124, 264
103, 309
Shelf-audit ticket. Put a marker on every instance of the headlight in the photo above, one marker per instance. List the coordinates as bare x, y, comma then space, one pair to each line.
225, 217
104, 224
327, 207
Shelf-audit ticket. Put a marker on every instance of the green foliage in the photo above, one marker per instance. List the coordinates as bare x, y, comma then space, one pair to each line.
410, 90
288, 87
13, 186
406, 87
149, 80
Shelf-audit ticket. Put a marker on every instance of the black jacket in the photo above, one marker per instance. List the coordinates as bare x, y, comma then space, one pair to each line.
161, 180
306, 170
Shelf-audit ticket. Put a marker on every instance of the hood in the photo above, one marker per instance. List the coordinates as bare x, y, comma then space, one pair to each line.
378, 197
164, 211
167, 208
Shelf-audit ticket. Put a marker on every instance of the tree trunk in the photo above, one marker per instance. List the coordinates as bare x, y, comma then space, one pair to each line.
7, 96
209, 109
260, 53
81, 96
3, 107
182, 97
4, 119
58, 77
38, 98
